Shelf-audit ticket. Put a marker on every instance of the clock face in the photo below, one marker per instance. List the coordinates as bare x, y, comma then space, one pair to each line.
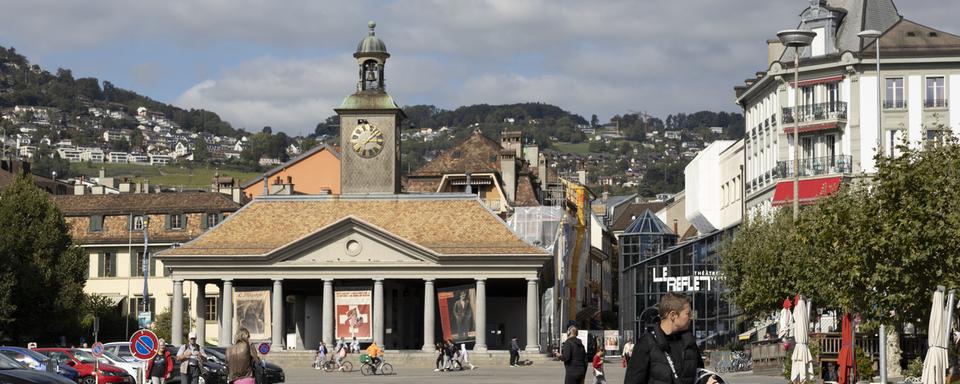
366, 140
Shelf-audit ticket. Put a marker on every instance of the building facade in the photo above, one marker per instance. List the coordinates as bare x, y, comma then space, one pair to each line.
839, 101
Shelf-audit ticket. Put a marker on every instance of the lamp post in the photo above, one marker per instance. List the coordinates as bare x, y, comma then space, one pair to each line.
875, 34
797, 39
146, 265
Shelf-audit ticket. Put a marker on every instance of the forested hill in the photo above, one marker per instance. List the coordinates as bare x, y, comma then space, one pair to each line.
23, 83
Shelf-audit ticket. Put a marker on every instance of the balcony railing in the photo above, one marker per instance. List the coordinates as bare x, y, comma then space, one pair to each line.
935, 103
894, 104
816, 166
816, 112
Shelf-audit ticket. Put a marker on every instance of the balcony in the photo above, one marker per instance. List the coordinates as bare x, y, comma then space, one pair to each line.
812, 113
816, 166
935, 103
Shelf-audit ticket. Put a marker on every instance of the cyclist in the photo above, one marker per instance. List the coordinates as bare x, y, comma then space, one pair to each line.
376, 355
341, 353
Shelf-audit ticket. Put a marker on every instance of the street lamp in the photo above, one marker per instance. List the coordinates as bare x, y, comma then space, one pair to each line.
797, 39
146, 264
875, 34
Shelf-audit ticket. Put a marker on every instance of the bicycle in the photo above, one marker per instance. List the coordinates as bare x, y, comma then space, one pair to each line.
331, 365
367, 368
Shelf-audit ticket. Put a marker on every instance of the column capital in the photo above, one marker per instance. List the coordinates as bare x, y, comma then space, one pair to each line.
428, 280
481, 279
227, 281
378, 280
327, 279
178, 280
532, 279
277, 279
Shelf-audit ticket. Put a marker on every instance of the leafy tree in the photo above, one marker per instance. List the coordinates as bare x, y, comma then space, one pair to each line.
163, 326
121, 145
268, 130
594, 120
42, 272
200, 151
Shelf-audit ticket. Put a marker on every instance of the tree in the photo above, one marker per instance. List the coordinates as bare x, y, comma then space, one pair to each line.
163, 326
878, 248
200, 151
42, 273
594, 120
268, 130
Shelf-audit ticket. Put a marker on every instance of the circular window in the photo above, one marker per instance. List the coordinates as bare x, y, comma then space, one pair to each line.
353, 247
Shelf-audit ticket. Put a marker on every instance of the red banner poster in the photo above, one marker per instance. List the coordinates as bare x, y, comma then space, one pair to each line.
353, 315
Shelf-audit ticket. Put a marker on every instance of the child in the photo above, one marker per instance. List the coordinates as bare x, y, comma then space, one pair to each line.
598, 368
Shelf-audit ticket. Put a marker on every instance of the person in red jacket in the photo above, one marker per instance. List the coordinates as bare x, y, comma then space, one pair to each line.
599, 377
160, 366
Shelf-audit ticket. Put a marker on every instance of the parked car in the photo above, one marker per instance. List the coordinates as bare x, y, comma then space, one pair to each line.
121, 349
15, 372
40, 362
84, 362
133, 369
211, 372
272, 373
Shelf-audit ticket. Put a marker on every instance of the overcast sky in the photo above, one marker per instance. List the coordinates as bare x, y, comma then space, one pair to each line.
288, 63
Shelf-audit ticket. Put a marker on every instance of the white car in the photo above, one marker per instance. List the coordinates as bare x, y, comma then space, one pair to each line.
109, 358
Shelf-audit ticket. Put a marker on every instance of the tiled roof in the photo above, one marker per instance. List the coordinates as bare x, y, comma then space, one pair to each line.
139, 203
477, 153
526, 196
631, 212
445, 226
910, 38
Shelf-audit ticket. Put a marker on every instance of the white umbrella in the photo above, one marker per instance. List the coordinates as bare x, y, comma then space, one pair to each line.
802, 368
783, 328
935, 364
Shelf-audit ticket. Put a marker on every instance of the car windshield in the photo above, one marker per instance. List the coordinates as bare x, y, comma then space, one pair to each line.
114, 358
84, 357
7, 362
215, 353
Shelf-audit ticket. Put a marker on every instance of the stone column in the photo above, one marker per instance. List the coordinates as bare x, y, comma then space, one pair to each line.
277, 312
176, 331
481, 318
201, 312
428, 316
226, 320
378, 311
533, 317
328, 323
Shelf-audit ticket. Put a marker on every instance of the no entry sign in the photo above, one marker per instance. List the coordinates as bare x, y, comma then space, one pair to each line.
143, 344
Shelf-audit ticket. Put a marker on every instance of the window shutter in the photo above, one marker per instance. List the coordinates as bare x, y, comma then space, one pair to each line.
100, 264
183, 222
205, 218
167, 217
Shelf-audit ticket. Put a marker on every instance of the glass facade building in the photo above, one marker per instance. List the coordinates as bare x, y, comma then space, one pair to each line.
691, 268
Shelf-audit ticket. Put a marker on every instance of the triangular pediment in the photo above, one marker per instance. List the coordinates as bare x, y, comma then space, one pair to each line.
351, 242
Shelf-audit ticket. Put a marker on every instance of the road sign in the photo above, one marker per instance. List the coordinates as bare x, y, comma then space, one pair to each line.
264, 348
144, 319
97, 349
143, 344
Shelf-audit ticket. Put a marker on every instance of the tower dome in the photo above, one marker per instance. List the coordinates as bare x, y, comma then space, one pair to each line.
371, 44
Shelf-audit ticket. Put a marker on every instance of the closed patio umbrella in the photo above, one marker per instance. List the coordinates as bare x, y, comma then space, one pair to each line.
802, 368
935, 364
786, 321
845, 360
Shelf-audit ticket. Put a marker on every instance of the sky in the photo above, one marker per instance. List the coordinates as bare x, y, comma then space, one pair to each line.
288, 63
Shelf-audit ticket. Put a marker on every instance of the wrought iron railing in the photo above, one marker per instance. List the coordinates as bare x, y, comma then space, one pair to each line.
816, 166
816, 112
935, 103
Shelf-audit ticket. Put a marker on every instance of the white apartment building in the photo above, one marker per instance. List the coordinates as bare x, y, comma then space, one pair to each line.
838, 108
713, 183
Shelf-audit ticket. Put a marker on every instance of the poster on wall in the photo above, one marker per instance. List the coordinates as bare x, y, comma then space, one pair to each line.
353, 314
458, 308
252, 311
611, 340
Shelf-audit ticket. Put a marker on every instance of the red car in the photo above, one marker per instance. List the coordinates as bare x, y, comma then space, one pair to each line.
84, 362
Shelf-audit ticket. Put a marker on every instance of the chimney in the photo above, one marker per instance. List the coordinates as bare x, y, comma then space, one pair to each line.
97, 190
605, 195
236, 194
469, 188
125, 187
146, 186
774, 50
512, 140
675, 227
266, 186
542, 172
508, 172
79, 188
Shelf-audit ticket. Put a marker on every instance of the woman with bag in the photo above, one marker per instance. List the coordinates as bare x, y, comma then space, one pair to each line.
242, 360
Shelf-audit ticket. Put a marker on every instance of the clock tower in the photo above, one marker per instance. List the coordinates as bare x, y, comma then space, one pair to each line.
370, 126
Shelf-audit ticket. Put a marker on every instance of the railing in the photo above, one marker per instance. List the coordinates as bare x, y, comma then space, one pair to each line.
493, 204
815, 166
894, 104
815, 112
935, 103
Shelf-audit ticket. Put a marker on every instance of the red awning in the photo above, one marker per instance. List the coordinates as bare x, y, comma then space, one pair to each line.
810, 190
822, 80
788, 128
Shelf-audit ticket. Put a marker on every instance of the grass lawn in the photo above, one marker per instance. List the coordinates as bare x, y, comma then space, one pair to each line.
579, 148
168, 176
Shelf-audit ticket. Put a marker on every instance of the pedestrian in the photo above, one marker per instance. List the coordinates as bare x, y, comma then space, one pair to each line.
447, 364
241, 359
574, 357
321, 356
439, 362
514, 352
669, 354
341, 354
598, 376
355, 346
627, 352
190, 357
161, 365
465, 357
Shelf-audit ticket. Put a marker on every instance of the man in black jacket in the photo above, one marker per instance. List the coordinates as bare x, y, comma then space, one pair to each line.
668, 355
574, 358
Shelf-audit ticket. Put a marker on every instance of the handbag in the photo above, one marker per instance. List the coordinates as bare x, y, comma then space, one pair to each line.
258, 374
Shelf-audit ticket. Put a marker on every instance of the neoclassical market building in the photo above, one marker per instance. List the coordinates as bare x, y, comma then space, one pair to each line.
402, 270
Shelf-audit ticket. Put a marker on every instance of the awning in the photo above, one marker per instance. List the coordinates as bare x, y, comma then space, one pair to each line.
810, 190
788, 129
821, 80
